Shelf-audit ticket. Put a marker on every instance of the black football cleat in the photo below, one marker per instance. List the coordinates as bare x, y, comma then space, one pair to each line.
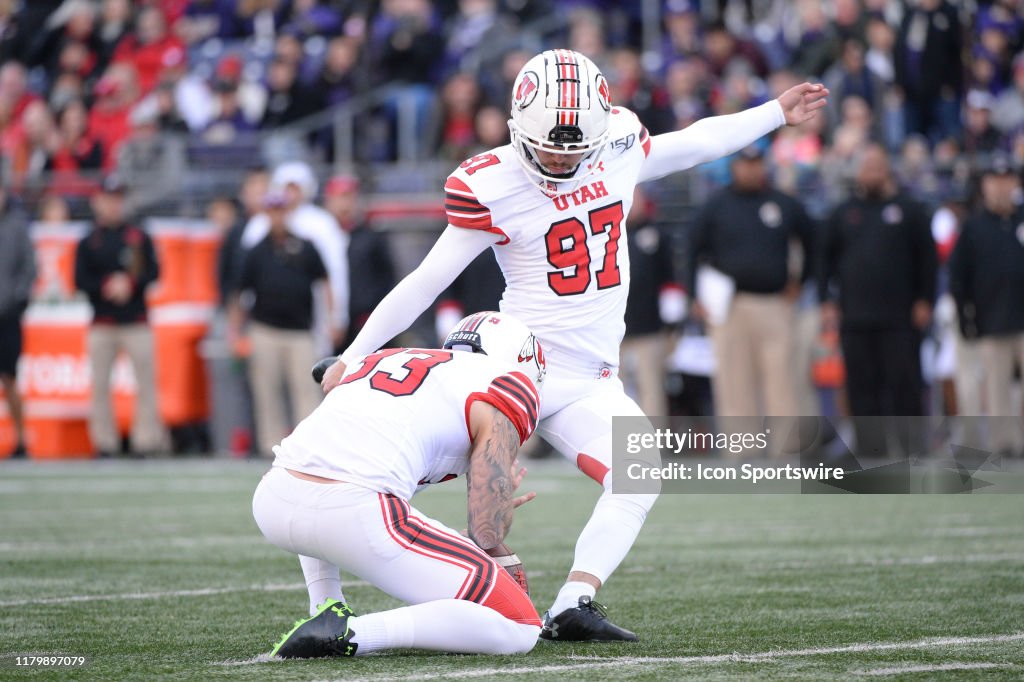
588, 622
325, 634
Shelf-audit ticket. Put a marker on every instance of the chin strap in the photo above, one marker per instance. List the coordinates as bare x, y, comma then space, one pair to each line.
546, 173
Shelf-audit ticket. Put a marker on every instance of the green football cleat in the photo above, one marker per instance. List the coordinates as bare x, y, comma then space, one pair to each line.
325, 634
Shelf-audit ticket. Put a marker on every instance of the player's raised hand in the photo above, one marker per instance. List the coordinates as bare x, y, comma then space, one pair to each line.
801, 102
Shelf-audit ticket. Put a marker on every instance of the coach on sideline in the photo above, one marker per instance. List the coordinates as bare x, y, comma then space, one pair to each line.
748, 231
987, 280
114, 263
878, 260
17, 272
279, 273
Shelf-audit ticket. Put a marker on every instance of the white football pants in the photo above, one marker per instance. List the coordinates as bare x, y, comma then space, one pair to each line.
463, 601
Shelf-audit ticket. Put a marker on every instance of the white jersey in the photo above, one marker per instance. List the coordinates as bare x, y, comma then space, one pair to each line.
400, 419
564, 257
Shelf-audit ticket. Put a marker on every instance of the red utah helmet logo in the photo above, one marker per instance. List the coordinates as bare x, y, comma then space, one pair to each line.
526, 91
604, 93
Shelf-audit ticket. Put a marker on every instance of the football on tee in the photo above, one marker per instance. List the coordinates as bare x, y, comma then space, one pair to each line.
507, 559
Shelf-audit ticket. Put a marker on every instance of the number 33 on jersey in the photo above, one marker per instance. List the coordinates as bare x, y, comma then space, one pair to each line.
564, 255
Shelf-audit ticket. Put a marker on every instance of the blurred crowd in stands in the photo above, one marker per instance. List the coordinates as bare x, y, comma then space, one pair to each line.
164, 92
86, 85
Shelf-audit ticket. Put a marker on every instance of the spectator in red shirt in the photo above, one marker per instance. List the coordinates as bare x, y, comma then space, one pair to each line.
151, 48
14, 92
116, 93
77, 151
172, 10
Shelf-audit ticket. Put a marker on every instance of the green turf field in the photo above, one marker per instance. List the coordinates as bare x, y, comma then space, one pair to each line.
156, 570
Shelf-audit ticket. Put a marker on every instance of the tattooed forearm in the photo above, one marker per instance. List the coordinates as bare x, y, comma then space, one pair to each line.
490, 483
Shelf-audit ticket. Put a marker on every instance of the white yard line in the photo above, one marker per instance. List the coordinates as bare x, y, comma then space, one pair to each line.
599, 662
204, 592
177, 542
924, 560
937, 667
262, 658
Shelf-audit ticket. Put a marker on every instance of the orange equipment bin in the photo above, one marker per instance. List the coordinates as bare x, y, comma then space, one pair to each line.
181, 306
53, 378
53, 372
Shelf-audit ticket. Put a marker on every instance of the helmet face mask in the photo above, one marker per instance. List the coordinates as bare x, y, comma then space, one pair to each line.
502, 337
560, 108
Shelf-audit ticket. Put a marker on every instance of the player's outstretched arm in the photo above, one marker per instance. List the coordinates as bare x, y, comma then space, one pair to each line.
717, 136
454, 250
493, 476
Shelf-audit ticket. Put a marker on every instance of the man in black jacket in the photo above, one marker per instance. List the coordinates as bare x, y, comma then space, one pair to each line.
879, 254
751, 232
987, 280
17, 272
114, 264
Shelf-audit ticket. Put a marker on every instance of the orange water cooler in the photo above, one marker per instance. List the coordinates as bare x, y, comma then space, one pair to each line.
53, 372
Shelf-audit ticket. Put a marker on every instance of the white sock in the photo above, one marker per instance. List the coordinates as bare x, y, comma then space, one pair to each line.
323, 581
604, 542
610, 533
452, 625
384, 630
569, 596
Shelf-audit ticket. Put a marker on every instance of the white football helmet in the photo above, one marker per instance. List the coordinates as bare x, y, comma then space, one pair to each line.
560, 104
503, 337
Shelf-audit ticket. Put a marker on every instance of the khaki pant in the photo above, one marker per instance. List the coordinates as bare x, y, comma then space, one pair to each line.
105, 342
642, 366
807, 327
969, 379
280, 357
754, 350
998, 355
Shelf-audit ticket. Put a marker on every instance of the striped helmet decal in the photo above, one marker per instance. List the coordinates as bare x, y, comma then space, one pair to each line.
569, 85
473, 323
